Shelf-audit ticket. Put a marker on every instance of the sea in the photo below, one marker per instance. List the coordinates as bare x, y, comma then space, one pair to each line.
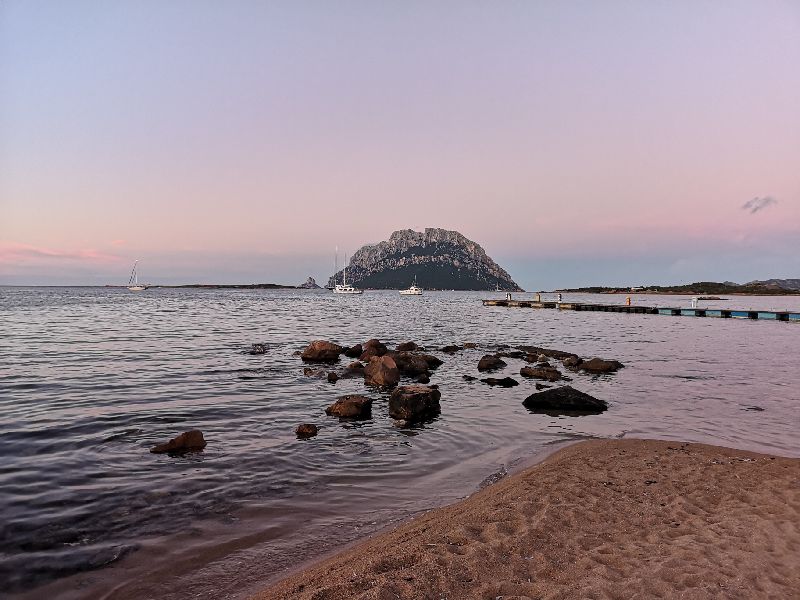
92, 378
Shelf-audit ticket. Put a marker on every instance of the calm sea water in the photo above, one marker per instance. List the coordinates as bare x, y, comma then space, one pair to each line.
91, 378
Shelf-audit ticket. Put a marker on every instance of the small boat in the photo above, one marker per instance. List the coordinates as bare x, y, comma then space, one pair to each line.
133, 282
343, 288
413, 290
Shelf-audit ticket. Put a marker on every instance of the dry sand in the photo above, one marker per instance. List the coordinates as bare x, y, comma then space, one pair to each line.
599, 519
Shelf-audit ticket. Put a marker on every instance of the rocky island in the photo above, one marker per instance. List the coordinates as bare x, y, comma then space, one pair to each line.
436, 258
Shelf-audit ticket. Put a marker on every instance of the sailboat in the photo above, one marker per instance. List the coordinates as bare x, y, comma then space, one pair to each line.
343, 288
133, 282
413, 290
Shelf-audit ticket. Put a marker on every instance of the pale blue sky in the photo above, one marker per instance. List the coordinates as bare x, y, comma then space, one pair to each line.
579, 142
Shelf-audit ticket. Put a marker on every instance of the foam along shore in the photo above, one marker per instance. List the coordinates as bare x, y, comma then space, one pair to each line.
602, 518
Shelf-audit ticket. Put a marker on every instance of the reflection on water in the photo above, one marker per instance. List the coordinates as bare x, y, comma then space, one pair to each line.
92, 378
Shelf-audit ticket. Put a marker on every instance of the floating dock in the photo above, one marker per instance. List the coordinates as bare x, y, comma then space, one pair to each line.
722, 313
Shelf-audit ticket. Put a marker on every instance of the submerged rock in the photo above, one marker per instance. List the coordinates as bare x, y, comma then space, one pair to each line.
599, 365
188, 441
504, 382
468, 378
332, 377
432, 361
257, 349
423, 379
351, 407
571, 361
564, 400
321, 351
406, 347
306, 430
381, 371
450, 349
355, 366
546, 373
490, 362
542, 386
511, 354
412, 403
535, 351
470, 345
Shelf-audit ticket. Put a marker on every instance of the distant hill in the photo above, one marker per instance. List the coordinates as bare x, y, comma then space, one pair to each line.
437, 258
783, 284
753, 288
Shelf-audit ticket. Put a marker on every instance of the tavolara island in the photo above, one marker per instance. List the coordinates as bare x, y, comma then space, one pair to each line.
436, 258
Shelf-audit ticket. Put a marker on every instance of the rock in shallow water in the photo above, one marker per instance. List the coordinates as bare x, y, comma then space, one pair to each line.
381, 371
321, 351
547, 373
351, 407
306, 430
258, 349
406, 347
564, 400
599, 365
412, 403
490, 362
372, 348
188, 441
504, 382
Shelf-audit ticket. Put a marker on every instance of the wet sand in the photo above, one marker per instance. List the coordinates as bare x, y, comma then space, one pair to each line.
599, 519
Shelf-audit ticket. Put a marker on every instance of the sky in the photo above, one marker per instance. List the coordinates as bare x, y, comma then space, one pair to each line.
580, 143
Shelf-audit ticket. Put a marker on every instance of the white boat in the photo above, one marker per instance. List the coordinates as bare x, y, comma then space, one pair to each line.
133, 282
413, 290
343, 288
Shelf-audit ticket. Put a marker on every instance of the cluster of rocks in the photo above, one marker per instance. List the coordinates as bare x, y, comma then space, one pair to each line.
378, 365
382, 368
560, 400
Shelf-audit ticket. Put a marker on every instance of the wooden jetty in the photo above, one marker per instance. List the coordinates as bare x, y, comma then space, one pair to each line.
723, 313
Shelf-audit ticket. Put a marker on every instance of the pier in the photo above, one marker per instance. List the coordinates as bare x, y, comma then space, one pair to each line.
722, 313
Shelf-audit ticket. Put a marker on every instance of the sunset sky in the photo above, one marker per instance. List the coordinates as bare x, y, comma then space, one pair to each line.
580, 142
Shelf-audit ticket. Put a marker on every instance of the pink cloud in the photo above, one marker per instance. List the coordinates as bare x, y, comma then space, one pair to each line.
14, 253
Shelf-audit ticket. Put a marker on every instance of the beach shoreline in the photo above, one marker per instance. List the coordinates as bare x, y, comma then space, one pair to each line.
599, 518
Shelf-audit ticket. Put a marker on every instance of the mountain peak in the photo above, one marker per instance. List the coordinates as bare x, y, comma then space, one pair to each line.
437, 258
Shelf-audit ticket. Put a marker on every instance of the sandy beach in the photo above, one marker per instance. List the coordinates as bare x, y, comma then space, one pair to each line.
598, 519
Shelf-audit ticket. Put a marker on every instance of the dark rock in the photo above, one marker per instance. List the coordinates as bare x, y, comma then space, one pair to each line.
504, 382
599, 365
406, 347
490, 362
188, 441
321, 351
547, 373
381, 371
511, 354
571, 361
535, 351
306, 430
258, 349
410, 364
432, 361
469, 378
355, 366
564, 401
412, 403
351, 407
423, 379
354, 351
373, 348
309, 372
332, 377
470, 345
542, 386
450, 349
